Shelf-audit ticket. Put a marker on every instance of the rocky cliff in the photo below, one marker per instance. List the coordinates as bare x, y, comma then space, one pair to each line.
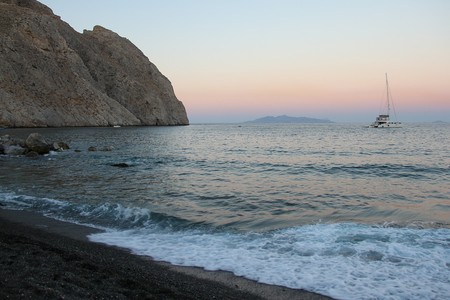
51, 75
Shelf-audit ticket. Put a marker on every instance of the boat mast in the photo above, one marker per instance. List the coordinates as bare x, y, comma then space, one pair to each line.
387, 95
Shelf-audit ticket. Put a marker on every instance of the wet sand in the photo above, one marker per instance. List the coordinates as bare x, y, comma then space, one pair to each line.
42, 258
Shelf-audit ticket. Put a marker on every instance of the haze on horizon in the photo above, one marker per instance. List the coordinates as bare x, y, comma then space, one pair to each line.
234, 61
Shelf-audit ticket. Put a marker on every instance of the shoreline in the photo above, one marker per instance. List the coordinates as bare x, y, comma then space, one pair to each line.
46, 258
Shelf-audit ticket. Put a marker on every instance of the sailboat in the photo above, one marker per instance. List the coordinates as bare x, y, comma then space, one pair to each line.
382, 121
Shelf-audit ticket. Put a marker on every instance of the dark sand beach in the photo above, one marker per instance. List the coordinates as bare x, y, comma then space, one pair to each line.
42, 258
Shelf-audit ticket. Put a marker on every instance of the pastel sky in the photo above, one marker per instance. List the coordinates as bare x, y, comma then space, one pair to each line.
237, 60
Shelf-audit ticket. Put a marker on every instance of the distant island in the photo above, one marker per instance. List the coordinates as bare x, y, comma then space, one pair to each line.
288, 119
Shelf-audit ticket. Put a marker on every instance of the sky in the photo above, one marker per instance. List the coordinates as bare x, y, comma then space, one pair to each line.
238, 60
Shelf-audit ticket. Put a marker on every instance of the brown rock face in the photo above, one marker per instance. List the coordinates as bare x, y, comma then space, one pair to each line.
51, 75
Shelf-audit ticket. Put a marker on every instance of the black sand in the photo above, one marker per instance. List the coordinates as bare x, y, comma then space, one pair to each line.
42, 258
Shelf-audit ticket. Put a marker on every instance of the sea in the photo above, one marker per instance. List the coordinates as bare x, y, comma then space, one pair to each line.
337, 209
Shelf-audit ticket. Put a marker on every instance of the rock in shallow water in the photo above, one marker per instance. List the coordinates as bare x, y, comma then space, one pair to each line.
59, 146
32, 154
37, 143
14, 150
121, 165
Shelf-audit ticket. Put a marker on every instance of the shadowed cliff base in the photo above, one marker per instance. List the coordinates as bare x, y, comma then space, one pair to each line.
53, 76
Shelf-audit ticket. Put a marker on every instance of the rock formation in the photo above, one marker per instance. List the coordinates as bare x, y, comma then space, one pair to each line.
35, 144
53, 76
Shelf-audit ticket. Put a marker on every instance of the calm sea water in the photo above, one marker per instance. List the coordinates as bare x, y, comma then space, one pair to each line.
339, 209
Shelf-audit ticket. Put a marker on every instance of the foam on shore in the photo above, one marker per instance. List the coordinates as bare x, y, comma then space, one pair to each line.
339, 260
68, 240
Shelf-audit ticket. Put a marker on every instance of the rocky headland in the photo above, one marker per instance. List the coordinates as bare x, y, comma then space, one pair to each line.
53, 76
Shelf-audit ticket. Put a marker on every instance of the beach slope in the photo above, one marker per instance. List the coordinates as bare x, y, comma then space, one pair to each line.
42, 258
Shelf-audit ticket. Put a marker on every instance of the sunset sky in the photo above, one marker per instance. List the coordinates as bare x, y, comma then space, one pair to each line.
237, 60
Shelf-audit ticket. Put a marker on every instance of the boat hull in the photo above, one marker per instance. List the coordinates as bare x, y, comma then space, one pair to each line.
386, 125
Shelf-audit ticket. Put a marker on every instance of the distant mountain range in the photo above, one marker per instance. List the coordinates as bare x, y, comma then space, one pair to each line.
288, 119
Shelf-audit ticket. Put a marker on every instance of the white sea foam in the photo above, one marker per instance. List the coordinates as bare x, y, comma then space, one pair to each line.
17, 201
117, 211
345, 261
103, 215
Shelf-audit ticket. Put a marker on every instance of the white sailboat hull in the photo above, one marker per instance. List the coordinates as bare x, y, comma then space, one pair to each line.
386, 125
